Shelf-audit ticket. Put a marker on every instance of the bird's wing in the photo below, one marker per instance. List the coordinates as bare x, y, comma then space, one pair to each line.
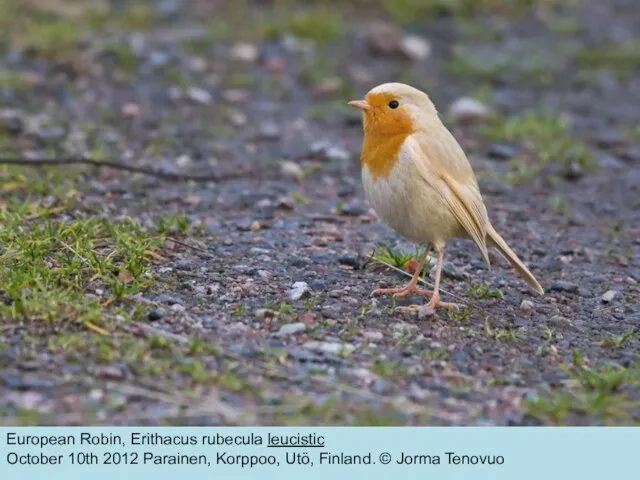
444, 166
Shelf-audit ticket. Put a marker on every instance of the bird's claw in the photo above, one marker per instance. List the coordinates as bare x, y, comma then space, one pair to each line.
402, 292
438, 304
429, 309
408, 308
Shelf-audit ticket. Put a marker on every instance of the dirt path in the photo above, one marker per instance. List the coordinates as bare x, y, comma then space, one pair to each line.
129, 299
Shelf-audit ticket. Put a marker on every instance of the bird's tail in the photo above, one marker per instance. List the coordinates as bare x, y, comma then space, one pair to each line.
497, 241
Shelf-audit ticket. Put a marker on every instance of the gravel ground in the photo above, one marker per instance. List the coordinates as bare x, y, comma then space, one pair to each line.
129, 299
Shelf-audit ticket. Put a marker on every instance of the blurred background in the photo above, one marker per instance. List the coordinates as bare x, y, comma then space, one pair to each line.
134, 298
486, 58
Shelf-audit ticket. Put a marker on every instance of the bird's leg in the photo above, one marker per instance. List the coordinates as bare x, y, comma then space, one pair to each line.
412, 286
435, 298
435, 302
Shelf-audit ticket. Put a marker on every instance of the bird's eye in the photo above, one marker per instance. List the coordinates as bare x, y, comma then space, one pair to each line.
394, 104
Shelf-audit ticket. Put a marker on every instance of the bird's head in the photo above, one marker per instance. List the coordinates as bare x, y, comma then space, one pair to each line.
395, 108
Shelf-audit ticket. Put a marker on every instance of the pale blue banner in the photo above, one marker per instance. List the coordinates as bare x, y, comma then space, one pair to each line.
490, 453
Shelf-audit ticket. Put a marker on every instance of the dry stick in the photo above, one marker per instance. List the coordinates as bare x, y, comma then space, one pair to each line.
213, 177
192, 247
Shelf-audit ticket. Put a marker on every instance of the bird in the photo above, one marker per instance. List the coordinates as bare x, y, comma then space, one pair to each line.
419, 181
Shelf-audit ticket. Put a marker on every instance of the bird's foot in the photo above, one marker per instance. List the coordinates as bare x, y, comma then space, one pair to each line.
409, 308
435, 303
402, 292
430, 308
445, 305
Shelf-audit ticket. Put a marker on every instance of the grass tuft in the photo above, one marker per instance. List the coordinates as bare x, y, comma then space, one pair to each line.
397, 258
546, 136
319, 23
602, 392
621, 59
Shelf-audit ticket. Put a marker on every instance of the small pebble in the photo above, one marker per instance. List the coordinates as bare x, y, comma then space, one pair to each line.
330, 347
299, 290
269, 131
168, 299
244, 52
291, 170
609, 296
560, 321
308, 318
237, 118
468, 109
291, 329
502, 151
131, 110
169, 8
51, 133
354, 208
156, 314
574, 171
295, 44
197, 64
13, 126
383, 38
608, 161
350, 259
337, 154
244, 224
425, 312
319, 147
325, 150
564, 286
158, 58
110, 373
262, 313
403, 328
415, 48
373, 336
183, 160
526, 306
328, 86
450, 270
235, 95
199, 95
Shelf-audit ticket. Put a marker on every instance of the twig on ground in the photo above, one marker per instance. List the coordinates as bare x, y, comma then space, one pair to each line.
212, 177
192, 247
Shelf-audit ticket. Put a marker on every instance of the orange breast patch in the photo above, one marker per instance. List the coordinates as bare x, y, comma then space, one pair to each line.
381, 154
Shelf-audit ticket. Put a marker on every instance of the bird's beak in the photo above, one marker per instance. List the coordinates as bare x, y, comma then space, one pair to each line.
361, 104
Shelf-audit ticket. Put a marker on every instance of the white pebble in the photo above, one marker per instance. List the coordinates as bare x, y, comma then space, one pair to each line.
373, 336
330, 347
337, 154
415, 47
526, 306
199, 95
245, 52
291, 329
291, 170
403, 328
299, 290
469, 109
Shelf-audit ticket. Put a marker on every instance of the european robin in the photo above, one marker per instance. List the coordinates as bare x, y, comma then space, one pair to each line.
420, 183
